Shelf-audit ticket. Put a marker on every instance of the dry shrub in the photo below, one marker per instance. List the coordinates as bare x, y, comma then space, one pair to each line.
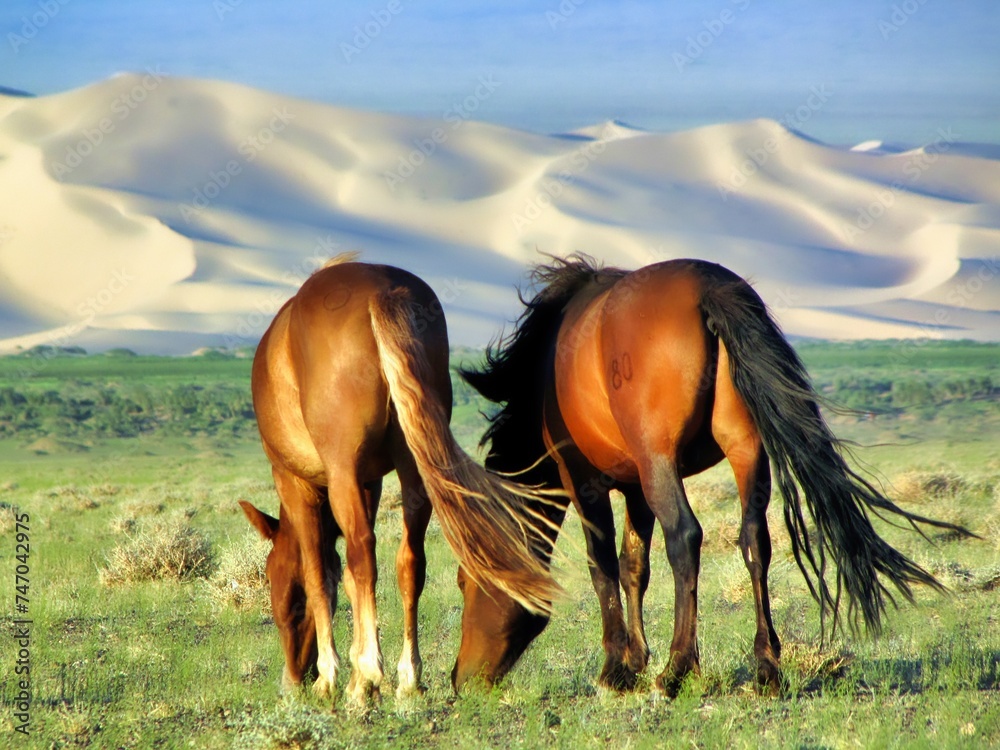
958, 577
70, 498
123, 524
127, 522
240, 580
253, 671
172, 551
813, 662
991, 525
705, 492
721, 532
140, 508
736, 586
735, 581
106, 489
992, 532
928, 486
781, 541
6, 518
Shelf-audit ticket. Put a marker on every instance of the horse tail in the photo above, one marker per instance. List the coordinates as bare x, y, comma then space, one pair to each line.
487, 521
772, 381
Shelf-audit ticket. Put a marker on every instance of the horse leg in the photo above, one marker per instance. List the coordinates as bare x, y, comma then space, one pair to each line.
411, 572
682, 533
753, 478
633, 564
736, 434
354, 508
302, 499
590, 495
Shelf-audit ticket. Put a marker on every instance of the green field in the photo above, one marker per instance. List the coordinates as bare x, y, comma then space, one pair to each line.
122, 461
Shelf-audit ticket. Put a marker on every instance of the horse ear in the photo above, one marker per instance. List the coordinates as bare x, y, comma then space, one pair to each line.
267, 526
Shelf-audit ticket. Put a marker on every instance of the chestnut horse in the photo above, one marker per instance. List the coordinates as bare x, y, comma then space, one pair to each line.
350, 381
633, 381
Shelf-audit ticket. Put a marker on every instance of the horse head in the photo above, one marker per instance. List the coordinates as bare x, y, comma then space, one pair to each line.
495, 632
294, 619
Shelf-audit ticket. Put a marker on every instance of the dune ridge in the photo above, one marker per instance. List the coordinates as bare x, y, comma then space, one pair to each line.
165, 214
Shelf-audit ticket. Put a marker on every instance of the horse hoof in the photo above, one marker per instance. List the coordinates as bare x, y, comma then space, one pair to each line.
406, 692
321, 688
769, 679
669, 685
618, 677
637, 661
362, 693
670, 682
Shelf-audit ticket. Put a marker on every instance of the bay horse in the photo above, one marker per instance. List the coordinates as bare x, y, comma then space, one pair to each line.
349, 382
634, 381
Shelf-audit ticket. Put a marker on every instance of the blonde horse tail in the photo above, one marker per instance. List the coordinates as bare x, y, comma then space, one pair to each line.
488, 521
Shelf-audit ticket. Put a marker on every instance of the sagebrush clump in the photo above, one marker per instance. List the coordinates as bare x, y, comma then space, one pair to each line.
172, 551
240, 579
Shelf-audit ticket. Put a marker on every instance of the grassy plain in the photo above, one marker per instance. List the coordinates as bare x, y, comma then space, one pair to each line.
119, 455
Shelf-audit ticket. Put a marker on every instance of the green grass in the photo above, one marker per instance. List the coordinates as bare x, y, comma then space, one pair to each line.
170, 663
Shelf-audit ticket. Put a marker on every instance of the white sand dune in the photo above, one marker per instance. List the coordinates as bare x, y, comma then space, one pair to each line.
165, 214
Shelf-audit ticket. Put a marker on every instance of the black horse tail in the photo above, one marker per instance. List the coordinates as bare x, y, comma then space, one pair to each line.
772, 381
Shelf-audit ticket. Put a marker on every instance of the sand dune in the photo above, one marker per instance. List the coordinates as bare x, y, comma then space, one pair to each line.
164, 214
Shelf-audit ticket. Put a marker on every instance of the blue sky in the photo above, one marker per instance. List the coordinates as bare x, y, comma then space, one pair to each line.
897, 70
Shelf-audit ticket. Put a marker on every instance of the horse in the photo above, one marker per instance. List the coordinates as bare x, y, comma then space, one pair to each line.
633, 381
349, 382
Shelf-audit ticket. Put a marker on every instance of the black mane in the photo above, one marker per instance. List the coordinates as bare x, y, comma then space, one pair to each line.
519, 366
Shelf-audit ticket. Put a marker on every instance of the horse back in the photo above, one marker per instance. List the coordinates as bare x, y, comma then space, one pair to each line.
319, 392
580, 410
638, 369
